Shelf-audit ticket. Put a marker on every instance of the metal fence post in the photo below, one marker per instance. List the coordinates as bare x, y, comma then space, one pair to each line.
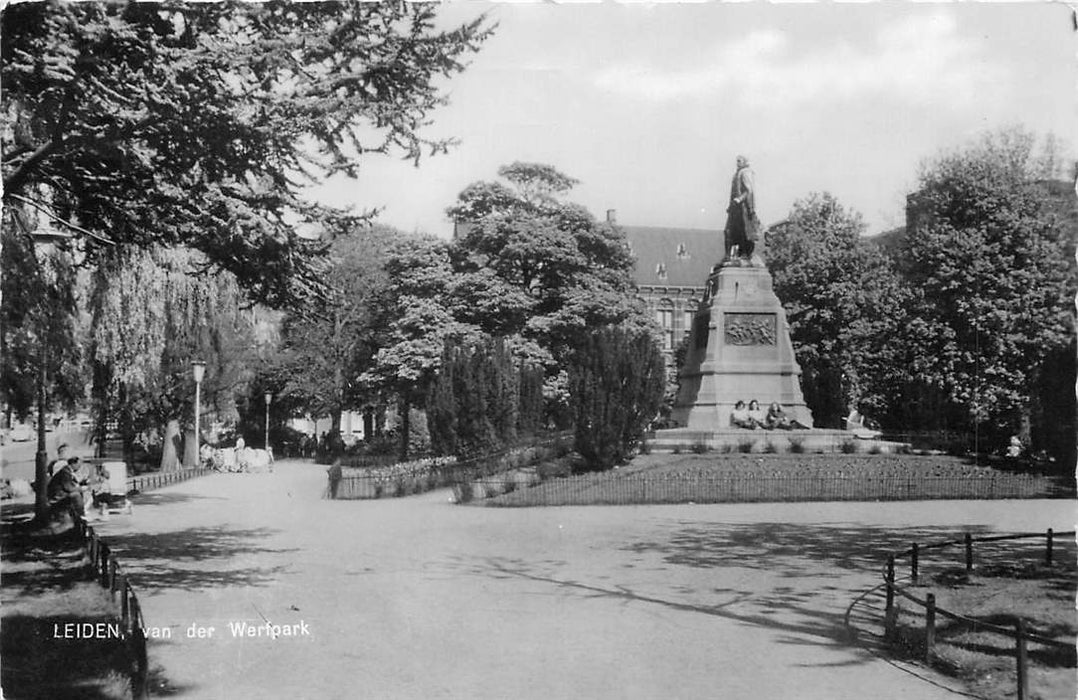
969, 552
1020, 654
1048, 549
930, 625
913, 563
103, 573
890, 614
125, 604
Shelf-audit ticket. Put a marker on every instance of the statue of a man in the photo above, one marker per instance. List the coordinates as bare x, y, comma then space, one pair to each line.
742, 225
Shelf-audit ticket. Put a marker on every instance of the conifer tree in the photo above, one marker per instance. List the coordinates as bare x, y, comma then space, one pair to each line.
616, 383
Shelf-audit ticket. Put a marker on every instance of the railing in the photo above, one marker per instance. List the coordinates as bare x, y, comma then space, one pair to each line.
107, 571
752, 486
376, 485
145, 482
1022, 637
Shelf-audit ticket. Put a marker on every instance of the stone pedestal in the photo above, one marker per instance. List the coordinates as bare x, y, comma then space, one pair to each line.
739, 350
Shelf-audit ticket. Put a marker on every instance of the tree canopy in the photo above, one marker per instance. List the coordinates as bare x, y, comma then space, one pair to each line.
325, 350
199, 124
843, 303
989, 257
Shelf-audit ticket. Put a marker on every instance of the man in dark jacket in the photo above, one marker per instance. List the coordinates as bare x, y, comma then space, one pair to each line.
65, 489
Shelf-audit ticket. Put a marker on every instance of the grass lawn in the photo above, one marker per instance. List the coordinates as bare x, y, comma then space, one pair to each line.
718, 478
1009, 584
46, 585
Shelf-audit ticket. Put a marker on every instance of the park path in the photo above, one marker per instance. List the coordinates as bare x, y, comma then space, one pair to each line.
418, 598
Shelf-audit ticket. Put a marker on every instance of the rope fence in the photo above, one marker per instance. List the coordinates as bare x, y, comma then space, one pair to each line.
1019, 633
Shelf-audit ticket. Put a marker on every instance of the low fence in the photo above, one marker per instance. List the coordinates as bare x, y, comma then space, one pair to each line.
145, 482
385, 484
107, 571
748, 487
1020, 634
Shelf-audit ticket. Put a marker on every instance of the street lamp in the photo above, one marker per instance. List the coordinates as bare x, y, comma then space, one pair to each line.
198, 368
268, 397
44, 241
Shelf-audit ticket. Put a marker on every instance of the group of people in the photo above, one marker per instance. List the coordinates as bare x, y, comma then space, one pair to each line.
68, 482
753, 417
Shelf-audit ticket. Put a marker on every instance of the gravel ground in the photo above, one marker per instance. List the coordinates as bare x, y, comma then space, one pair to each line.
418, 598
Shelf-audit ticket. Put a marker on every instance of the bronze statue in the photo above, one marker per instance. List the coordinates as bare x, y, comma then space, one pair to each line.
742, 225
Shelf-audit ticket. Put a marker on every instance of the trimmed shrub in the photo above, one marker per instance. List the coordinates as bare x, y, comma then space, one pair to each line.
797, 445
616, 382
849, 447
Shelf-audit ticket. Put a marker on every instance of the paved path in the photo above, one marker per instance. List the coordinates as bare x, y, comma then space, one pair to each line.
417, 598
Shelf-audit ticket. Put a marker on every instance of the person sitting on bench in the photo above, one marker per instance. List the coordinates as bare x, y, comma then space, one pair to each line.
64, 491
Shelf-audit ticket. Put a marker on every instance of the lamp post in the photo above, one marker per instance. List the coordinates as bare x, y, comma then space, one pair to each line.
44, 242
268, 397
198, 368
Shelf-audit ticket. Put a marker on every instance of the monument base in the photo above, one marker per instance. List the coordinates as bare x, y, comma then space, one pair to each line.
735, 440
739, 350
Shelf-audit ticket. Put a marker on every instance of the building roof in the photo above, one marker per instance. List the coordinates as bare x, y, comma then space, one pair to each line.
675, 257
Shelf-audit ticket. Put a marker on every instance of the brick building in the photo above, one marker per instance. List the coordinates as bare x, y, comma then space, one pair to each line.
672, 265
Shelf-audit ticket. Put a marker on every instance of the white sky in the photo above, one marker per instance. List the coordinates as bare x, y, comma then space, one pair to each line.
649, 104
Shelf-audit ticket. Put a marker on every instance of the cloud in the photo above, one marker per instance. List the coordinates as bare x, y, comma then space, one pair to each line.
920, 59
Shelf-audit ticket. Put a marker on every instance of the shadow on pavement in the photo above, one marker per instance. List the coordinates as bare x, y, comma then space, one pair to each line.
194, 558
158, 498
795, 550
814, 627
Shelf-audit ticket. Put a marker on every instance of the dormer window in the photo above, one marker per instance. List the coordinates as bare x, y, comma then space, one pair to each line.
682, 252
660, 271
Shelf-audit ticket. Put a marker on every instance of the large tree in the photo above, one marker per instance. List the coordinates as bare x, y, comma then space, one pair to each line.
154, 312
200, 124
844, 303
989, 256
539, 269
325, 350
418, 319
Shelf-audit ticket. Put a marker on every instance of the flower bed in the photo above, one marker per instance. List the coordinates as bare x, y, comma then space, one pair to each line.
402, 479
771, 478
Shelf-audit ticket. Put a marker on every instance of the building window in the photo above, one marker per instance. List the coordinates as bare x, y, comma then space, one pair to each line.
665, 317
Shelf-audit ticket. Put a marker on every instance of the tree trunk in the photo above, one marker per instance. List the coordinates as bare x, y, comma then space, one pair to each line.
406, 427
190, 448
169, 455
41, 458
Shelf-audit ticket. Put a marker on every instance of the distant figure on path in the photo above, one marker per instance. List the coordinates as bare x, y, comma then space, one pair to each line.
742, 225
